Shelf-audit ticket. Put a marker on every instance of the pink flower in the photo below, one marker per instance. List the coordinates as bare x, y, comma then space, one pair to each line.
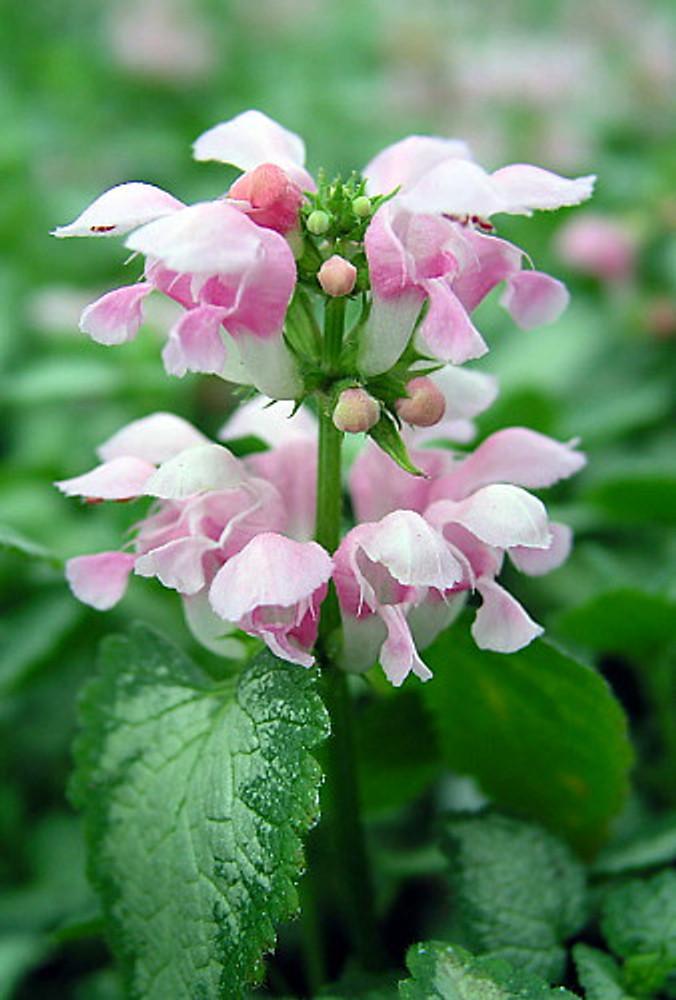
251, 139
273, 589
419, 247
598, 245
383, 569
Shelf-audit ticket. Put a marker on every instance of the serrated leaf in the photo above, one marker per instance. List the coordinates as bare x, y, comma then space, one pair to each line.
195, 794
542, 733
517, 891
638, 920
447, 972
388, 438
599, 974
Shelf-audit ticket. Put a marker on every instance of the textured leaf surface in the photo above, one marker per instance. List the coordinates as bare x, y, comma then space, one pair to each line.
195, 793
517, 891
599, 974
541, 732
446, 972
639, 923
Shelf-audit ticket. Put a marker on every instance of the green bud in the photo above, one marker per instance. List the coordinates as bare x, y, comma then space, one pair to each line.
361, 207
318, 222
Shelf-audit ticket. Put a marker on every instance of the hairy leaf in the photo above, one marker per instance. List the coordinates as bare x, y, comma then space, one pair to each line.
447, 972
540, 731
599, 974
639, 923
195, 793
517, 891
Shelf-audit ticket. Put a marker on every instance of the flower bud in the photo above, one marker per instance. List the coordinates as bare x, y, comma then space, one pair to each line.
273, 197
356, 411
318, 222
361, 207
425, 404
337, 276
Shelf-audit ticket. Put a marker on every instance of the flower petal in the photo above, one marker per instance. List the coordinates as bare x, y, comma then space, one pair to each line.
271, 366
501, 624
514, 455
499, 515
100, 580
195, 343
116, 317
201, 469
466, 392
210, 630
523, 188
271, 571
120, 210
412, 551
250, 139
447, 332
489, 261
292, 469
387, 331
378, 486
402, 163
398, 655
153, 439
537, 562
276, 423
534, 299
178, 564
119, 479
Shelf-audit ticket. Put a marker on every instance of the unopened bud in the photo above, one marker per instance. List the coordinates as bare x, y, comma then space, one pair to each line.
318, 222
356, 411
337, 276
361, 207
424, 406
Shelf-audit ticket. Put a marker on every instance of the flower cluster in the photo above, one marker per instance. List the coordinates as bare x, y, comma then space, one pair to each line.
232, 536
410, 249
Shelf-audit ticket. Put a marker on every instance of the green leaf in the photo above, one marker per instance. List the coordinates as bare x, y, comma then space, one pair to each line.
653, 844
446, 972
638, 919
625, 620
541, 732
518, 893
12, 539
387, 437
31, 632
19, 953
195, 793
393, 772
635, 499
599, 974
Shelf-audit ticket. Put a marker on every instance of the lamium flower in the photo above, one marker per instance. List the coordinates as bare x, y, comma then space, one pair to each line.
354, 301
420, 217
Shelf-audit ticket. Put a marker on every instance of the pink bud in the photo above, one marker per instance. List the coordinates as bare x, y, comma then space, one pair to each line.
356, 411
337, 276
272, 195
424, 406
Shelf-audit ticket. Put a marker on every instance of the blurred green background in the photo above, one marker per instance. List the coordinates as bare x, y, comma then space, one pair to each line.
94, 94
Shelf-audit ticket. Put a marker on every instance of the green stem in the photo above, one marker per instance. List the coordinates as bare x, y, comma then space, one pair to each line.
343, 807
334, 325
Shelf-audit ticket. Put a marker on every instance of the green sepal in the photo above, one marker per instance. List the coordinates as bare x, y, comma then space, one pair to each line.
386, 435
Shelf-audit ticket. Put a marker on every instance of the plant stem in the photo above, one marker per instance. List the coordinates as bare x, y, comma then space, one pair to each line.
351, 860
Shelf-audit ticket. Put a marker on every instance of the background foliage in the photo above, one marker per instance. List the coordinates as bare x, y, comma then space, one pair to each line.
94, 94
